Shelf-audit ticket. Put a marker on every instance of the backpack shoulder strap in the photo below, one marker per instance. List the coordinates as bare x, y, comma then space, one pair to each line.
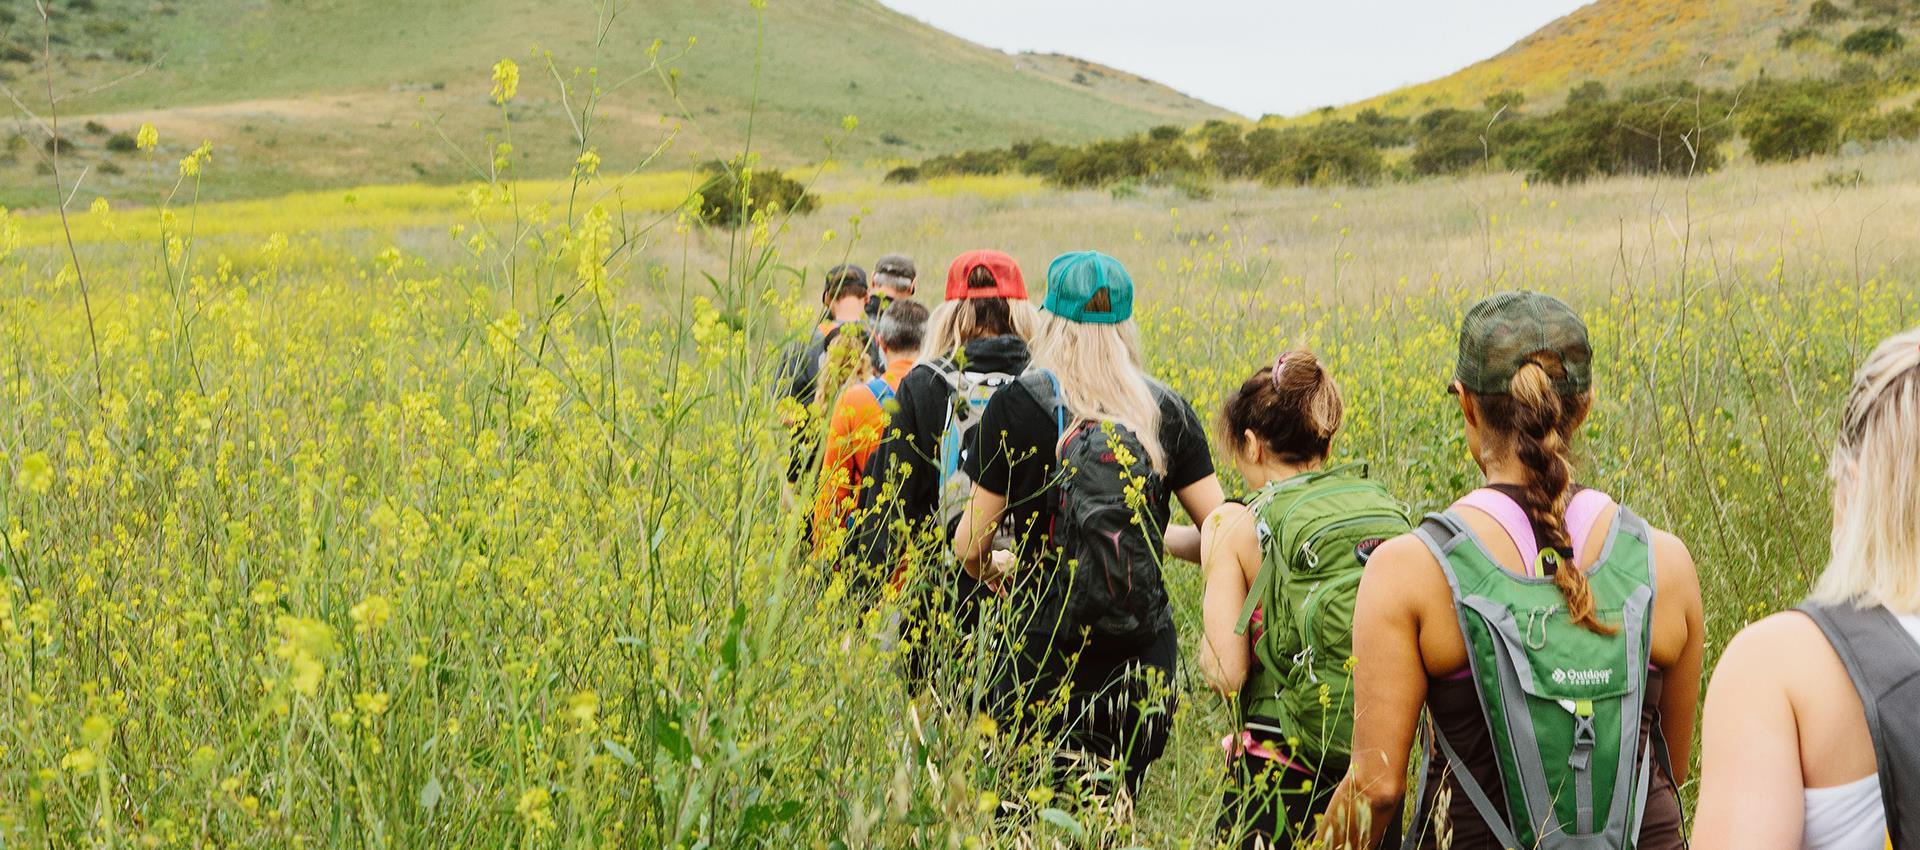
1880, 657
1263, 579
882, 392
1046, 390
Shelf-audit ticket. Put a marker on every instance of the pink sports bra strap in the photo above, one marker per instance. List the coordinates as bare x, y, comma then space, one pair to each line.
1511, 516
1582, 514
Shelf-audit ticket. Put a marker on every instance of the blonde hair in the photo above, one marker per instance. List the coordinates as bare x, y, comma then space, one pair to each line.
1100, 372
955, 323
1876, 485
845, 362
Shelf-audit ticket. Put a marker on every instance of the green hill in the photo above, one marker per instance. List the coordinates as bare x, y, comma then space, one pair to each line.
319, 93
1623, 43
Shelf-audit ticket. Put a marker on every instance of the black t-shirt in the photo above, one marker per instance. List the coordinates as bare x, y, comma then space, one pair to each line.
1018, 439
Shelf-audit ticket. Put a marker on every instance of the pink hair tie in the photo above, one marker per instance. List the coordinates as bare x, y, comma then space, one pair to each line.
1278, 365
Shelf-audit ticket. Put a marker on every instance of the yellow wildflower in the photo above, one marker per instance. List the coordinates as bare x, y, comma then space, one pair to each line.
506, 81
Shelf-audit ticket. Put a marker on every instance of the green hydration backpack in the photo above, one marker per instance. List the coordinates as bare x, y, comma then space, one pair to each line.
1317, 531
1562, 702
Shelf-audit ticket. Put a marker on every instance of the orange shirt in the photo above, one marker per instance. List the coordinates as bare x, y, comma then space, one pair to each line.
858, 424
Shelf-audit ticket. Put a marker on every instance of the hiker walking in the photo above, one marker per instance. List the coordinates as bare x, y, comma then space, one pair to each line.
1552, 636
1282, 573
893, 280
859, 418
1080, 461
976, 344
1813, 718
797, 380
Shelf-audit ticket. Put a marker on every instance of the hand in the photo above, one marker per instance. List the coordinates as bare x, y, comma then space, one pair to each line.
1000, 567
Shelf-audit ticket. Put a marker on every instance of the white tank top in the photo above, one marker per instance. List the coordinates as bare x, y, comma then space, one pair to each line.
1850, 816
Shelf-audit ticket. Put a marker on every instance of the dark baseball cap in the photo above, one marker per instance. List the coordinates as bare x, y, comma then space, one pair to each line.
895, 270
1501, 332
844, 280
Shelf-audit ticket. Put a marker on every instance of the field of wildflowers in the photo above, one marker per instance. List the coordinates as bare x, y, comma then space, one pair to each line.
458, 525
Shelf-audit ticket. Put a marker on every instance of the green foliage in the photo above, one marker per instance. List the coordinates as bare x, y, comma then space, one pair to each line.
1331, 153
1824, 12
1789, 128
1874, 41
728, 201
1795, 36
1140, 157
122, 143
1875, 127
1452, 142
903, 174
1587, 93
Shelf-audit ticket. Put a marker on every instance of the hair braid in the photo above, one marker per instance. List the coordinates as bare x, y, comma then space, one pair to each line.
1541, 424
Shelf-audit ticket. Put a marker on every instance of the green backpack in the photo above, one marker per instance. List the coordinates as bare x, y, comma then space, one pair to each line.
1316, 532
1562, 702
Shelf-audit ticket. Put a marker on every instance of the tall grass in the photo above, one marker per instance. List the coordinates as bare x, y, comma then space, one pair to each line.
462, 528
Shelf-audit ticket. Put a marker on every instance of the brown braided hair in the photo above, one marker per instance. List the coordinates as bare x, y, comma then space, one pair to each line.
1537, 422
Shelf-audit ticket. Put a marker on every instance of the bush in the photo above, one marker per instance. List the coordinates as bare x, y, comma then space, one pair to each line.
1874, 127
1452, 143
766, 191
1790, 128
1796, 36
1824, 12
1587, 94
58, 144
111, 168
1842, 179
122, 143
1329, 154
903, 174
95, 128
1226, 149
10, 52
1874, 41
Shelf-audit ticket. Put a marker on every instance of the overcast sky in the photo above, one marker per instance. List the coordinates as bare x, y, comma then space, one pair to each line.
1255, 56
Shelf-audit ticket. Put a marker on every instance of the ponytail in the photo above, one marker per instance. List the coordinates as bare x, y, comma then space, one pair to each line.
1539, 421
1293, 407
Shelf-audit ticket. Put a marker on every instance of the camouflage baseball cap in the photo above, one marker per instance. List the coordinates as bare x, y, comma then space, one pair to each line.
1502, 331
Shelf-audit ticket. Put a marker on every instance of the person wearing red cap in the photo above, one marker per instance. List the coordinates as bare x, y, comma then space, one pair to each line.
977, 342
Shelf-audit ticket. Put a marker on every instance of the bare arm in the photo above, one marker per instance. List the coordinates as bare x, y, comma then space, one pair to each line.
1225, 657
973, 537
1679, 602
1751, 790
1200, 499
1389, 688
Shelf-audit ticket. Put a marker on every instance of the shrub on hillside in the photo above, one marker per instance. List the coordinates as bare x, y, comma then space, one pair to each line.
1644, 132
903, 174
1226, 150
122, 143
1138, 157
1382, 130
726, 201
1587, 93
1874, 41
1874, 127
1332, 153
1453, 141
1789, 128
1795, 36
1824, 12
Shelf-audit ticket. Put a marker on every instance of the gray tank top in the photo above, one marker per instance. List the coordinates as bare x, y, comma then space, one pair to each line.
1883, 661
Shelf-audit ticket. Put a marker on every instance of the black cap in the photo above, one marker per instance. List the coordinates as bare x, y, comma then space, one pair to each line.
844, 280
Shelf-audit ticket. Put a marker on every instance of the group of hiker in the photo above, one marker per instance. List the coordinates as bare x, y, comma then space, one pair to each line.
1537, 644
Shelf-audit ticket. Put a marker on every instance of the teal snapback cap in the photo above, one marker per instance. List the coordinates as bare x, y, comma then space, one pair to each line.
1089, 287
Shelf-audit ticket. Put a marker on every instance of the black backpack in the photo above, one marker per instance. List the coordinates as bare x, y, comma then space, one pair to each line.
1103, 533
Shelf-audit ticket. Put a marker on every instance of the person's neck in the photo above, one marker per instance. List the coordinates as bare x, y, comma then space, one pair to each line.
1507, 471
1274, 471
846, 313
893, 357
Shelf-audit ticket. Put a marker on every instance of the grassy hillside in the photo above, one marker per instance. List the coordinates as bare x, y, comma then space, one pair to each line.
337, 92
1622, 43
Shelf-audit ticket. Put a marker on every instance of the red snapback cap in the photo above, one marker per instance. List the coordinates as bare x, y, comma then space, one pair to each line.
1008, 283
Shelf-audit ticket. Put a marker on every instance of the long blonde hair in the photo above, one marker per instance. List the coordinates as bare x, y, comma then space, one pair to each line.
957, 322
1876, 485
1101, 375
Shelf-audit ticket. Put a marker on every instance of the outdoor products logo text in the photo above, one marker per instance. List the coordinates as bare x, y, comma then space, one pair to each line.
1585, 678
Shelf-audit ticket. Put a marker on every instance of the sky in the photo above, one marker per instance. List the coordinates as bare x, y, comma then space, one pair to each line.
1255, 56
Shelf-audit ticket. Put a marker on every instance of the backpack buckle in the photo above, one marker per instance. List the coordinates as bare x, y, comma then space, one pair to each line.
1584, 736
